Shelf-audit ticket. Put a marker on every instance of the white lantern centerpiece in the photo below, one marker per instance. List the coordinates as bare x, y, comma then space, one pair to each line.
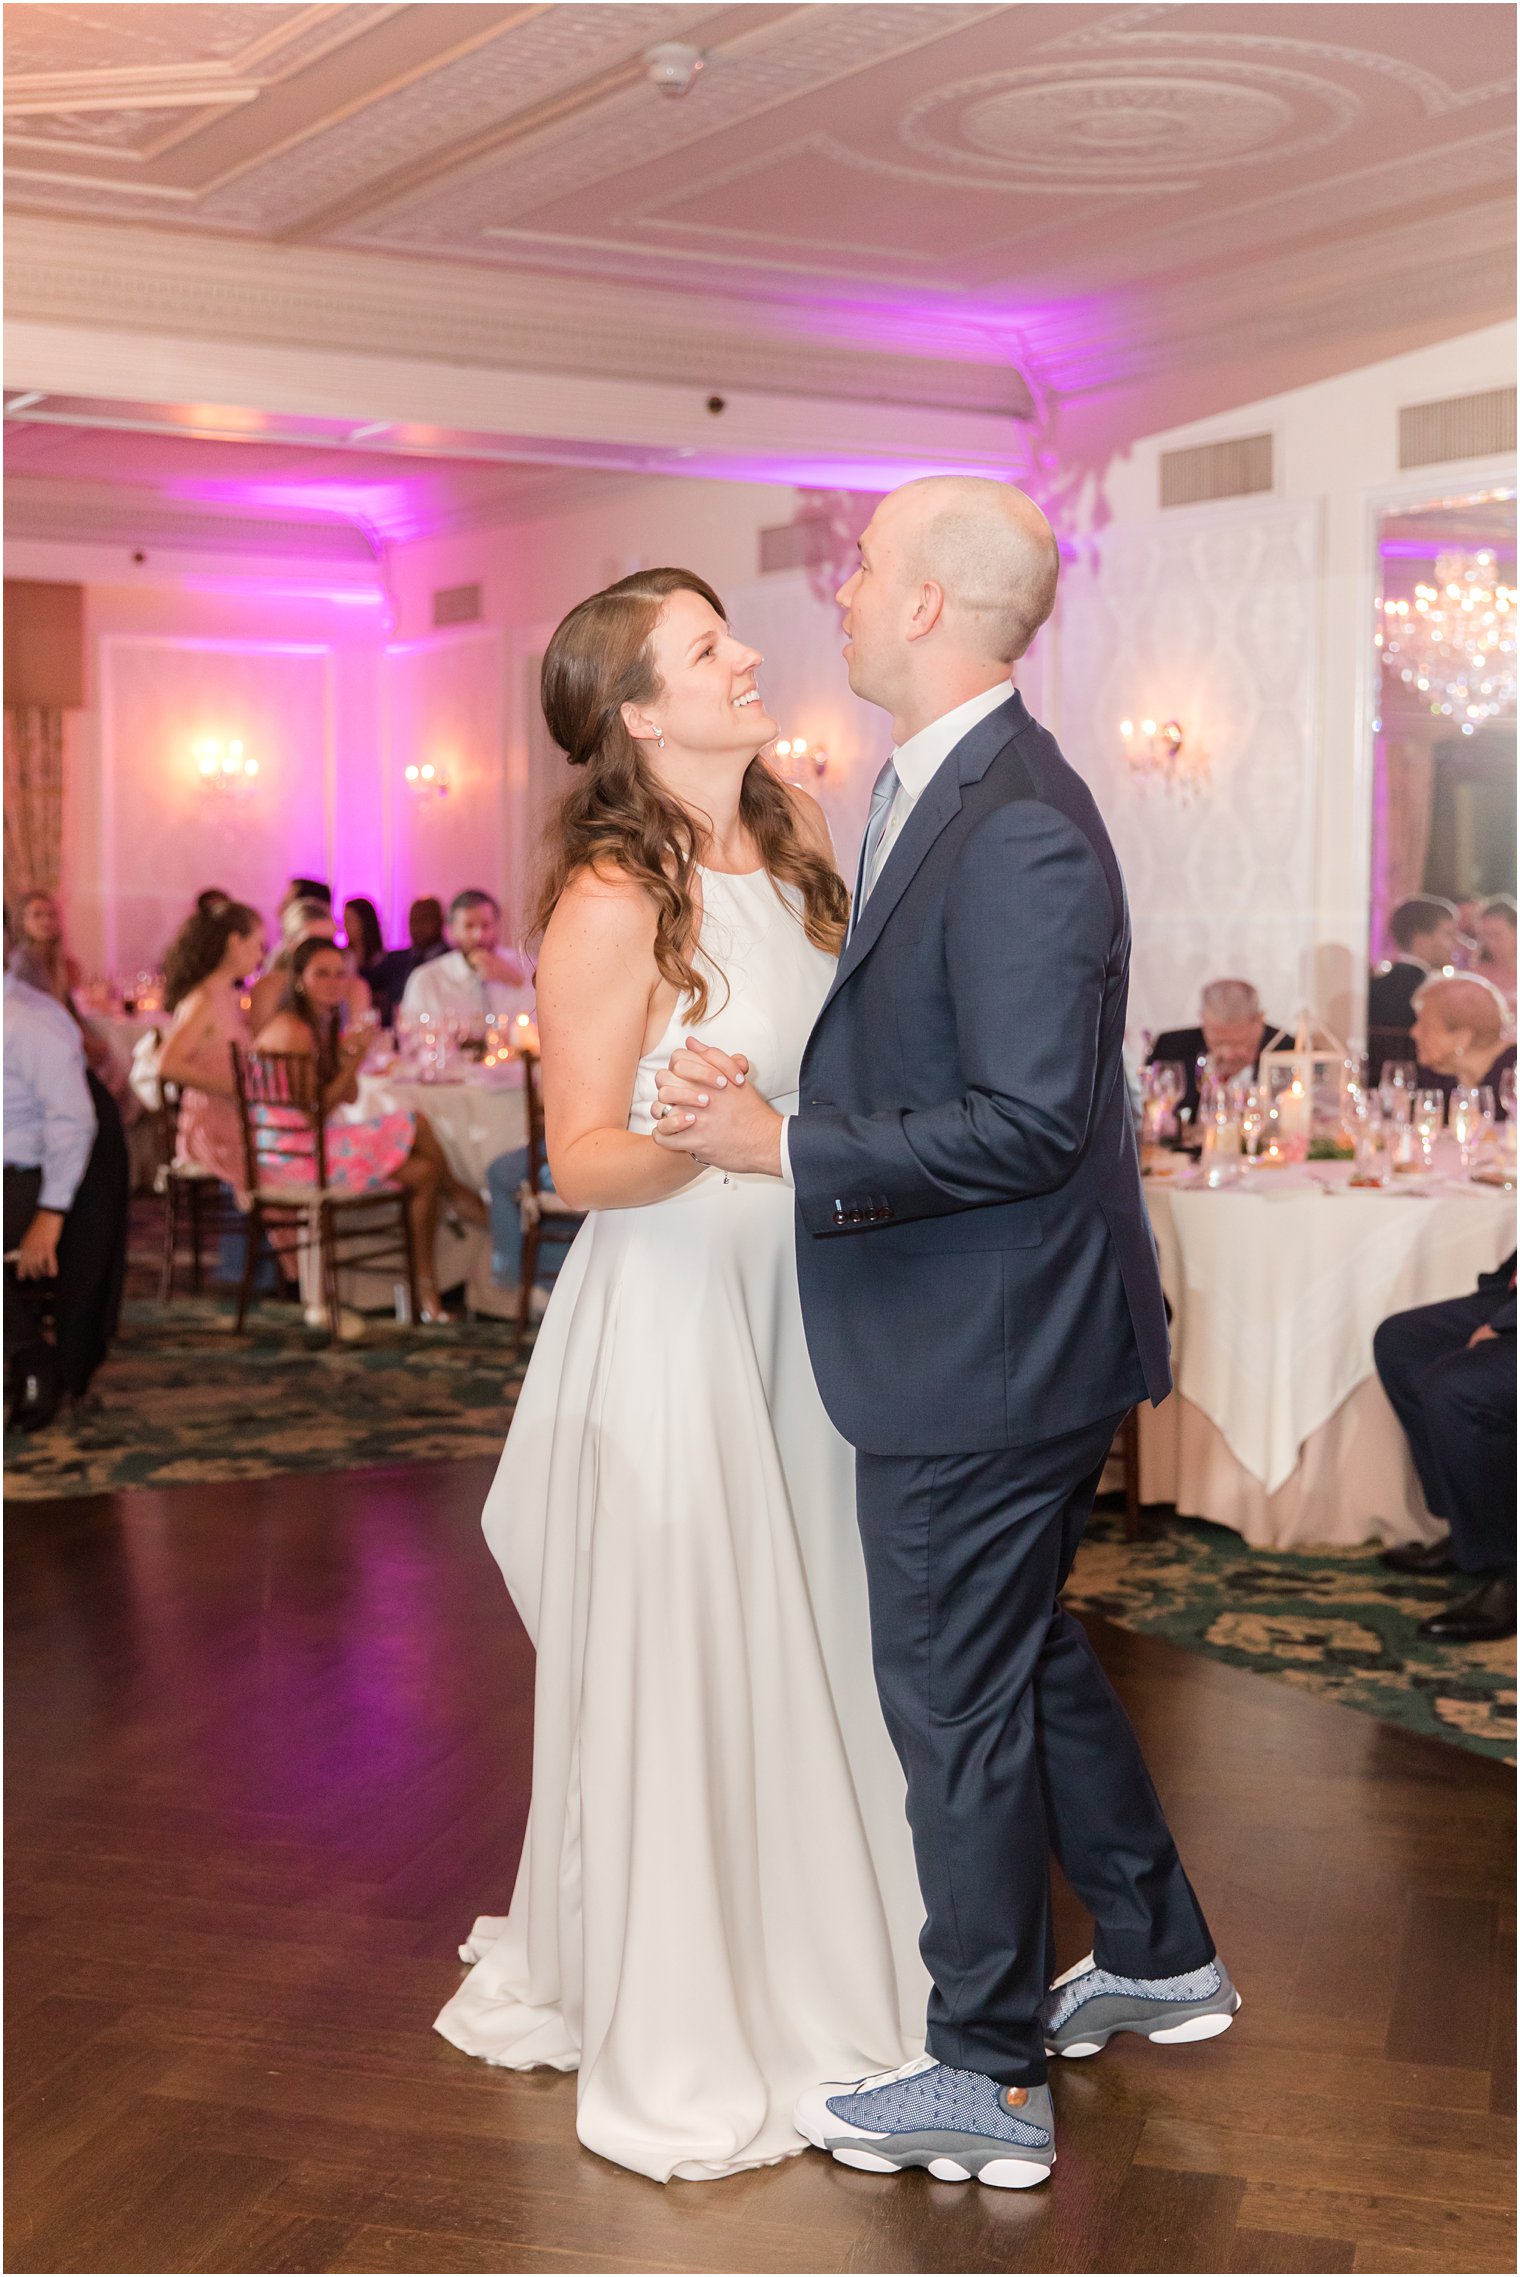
1304, 1077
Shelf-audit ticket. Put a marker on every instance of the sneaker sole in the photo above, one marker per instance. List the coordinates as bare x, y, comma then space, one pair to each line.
997, 2173
1165, 2036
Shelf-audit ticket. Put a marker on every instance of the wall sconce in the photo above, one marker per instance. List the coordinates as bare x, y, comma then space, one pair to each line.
1160, 753
798, 747
426, 780
223, 766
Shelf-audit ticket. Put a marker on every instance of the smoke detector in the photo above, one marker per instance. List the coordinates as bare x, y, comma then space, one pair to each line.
673, 66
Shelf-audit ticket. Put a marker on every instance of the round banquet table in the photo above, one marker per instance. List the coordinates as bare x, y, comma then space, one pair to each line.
476, 1115
1277, 1425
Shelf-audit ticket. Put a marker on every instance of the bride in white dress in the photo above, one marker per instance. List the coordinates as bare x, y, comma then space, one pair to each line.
716, 1904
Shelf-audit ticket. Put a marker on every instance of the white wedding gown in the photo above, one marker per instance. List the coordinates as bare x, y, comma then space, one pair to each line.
716, 1904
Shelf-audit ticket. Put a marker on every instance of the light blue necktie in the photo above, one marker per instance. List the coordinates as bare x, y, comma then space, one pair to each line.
882, 794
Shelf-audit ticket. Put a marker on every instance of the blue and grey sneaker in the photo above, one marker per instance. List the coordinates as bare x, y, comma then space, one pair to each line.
1087, 2006
955, 2123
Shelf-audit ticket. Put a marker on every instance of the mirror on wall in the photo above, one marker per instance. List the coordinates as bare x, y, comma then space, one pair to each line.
1443, 817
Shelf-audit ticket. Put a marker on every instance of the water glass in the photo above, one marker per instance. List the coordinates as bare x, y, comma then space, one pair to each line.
1253, 1121
1396, 1088
1168, 1088
1373, 1136
1219, 1121
1428, 1117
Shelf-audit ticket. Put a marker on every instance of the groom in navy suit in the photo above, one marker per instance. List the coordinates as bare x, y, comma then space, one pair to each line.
982, 1306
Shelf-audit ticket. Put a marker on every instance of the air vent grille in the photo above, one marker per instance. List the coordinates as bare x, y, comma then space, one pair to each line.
456, 605
1233, 469
1463, 427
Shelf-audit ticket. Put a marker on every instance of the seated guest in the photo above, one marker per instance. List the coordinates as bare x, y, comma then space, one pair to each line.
475, 978
66, 1199
366, 946
1424, 932
1449, 1370
40, 958
1458, 1023
1496, 947
304, 889
1231, 1032
424, 924
306, 921
205, 967
504, 1176
363, 1154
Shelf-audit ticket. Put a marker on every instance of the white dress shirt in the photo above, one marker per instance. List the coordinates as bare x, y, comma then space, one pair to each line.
917, 761
449, 987
49, 1114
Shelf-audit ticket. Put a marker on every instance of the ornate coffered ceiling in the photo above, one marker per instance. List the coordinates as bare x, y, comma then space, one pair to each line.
973, 209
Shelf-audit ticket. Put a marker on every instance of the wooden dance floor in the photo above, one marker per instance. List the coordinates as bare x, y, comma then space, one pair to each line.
269, 1751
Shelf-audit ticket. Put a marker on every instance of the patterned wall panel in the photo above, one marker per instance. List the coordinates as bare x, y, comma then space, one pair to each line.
165, 834
1209, 617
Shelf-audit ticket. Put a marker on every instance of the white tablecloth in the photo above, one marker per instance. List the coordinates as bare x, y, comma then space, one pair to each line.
476, 1119
1276, 1289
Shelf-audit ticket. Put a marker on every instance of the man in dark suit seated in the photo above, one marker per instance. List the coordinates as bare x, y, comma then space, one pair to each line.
1424, 932
1458, 1021
1231, 1032
1449, 1370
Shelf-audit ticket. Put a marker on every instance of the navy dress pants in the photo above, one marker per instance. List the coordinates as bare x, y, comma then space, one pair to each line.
1458, 1411
1014, 1743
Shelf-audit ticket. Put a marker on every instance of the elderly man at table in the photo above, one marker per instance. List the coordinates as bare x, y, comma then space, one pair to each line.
66, 1198
1449, 1371
1459, 1020
475, 978
1231, 1032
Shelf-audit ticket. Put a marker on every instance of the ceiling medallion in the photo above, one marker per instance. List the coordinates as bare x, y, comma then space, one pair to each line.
1138, 124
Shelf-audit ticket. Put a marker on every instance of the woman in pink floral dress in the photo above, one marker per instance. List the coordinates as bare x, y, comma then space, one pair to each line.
398, 1149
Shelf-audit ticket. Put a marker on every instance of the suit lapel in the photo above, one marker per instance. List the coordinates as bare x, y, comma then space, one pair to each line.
941, 802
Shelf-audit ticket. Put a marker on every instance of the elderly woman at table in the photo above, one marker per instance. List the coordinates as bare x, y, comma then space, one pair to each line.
1459, 1021
362, 1154
1449, 1371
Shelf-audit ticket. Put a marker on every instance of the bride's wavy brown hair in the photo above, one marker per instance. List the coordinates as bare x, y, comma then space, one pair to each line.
616, 815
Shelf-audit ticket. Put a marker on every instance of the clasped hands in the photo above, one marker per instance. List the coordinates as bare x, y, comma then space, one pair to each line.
709, 1110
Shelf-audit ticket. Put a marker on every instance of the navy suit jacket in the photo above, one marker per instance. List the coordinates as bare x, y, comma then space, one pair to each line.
976, 1265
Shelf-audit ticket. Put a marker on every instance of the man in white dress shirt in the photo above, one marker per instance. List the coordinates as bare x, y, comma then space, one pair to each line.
475, 978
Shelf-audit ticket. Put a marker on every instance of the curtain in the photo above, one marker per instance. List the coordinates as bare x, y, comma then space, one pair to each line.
1404, 802
33, 798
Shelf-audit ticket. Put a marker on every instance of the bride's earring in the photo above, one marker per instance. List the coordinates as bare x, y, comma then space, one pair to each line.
659, 739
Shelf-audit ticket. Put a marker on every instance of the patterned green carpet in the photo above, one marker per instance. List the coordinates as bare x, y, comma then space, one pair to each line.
1333, 1622
185, 1402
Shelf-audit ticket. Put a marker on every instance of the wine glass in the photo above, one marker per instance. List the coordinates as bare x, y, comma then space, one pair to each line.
1396, 1088
1253, 1121
1169, 1085
1487, 1117
1428, 1117
1464, 1120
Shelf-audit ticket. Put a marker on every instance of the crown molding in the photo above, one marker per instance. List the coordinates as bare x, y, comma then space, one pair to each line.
99, 275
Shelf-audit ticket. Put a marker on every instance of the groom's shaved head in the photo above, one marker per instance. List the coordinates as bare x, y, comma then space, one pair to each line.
989, 549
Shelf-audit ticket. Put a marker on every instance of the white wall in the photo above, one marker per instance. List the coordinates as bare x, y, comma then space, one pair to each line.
292, 674
1251, 622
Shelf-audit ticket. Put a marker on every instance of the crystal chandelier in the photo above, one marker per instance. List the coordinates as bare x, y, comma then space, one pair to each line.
1454, 643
